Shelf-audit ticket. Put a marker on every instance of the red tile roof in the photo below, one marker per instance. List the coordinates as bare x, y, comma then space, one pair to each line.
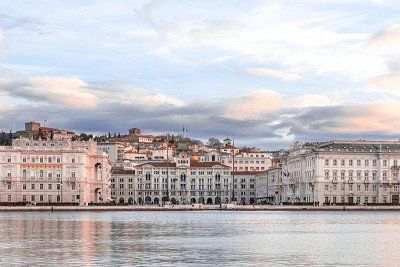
193, 164
207, 164
247, 172
159, 164
122, 171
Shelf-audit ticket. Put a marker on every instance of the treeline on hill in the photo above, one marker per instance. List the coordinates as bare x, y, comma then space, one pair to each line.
172, 138
6, 138
107, 137
82, 137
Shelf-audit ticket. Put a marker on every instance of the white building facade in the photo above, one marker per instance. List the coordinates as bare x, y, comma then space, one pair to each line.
245, 186
257, 161
342, 172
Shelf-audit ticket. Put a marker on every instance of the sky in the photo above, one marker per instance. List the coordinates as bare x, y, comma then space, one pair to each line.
266, 72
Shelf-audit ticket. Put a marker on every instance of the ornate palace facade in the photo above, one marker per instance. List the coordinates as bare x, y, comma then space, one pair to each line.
43, 171
184, 181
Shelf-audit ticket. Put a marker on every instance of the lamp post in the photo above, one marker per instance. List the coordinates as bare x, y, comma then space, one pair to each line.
80, 198
58, 193
167, 136
233, 169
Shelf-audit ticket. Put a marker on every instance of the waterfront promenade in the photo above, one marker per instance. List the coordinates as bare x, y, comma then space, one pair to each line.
196, 208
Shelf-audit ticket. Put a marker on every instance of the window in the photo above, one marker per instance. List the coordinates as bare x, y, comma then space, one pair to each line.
366, 163
384, 176
33, 186
359, 162
49, 159
326, 175
41, 186
350, 162
326, 162
23, 186
73, 160
350, 176
384, 163
342, 162
374, 165
334, 162
49, 186
23, 173
73, 175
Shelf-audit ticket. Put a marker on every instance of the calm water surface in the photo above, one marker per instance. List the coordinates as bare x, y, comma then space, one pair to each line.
200, 238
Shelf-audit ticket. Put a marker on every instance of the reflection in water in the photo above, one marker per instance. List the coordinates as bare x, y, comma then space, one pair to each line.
224, 238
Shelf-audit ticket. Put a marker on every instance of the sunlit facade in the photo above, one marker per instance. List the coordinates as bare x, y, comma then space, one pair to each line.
49, 171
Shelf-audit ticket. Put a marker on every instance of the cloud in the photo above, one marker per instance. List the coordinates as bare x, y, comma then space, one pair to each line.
252, 105
145, 13
386, 40
75, 93
70, 92
277, 74
388, 83
312, 100
162, 52
261, 117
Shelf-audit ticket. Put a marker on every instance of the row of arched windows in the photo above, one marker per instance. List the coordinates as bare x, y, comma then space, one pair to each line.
41, 174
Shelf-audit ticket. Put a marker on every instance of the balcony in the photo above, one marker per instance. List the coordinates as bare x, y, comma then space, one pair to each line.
7, 179
70, 179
